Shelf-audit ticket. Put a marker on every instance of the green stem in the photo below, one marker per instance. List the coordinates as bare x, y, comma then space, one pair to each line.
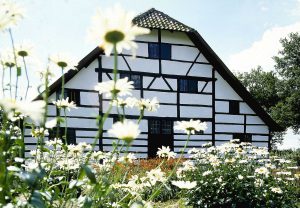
26, 73
2, 81
105, 116
174, 169
10, 75
16, 63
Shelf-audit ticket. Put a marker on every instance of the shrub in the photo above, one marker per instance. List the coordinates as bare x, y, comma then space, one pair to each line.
239, 175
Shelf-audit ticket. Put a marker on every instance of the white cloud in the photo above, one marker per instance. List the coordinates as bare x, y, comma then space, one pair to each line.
262, 51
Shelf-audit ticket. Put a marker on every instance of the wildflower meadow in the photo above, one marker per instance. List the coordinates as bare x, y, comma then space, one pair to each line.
58, 174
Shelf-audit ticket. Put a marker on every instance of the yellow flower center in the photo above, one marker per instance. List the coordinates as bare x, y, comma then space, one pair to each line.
114, 36
62, 64
23, 53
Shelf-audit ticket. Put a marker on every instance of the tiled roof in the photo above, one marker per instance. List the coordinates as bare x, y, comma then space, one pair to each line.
154, 19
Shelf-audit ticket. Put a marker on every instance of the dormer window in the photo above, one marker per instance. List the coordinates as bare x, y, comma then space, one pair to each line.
153, 51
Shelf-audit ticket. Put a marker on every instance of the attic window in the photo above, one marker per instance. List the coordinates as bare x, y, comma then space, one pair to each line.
153, 51
234, 107
187, 85
72, 94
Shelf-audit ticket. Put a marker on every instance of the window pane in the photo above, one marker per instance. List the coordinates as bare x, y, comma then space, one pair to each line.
136, 81
193, 85
154, 126
123, 75
234, 107
166, 127
153, 50
165, 51
183, 85
71, 137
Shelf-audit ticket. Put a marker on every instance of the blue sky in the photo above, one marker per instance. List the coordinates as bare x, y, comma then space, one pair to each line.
244, 33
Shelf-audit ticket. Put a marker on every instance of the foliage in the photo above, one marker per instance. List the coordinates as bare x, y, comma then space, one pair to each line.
293, 155
288, 68
240, 175
278, 91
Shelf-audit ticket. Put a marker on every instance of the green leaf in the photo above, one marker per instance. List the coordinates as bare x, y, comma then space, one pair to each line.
89, 173
37, 200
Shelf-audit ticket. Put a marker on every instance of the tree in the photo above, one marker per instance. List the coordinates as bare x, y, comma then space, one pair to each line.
279, 91
262, 85
288, 69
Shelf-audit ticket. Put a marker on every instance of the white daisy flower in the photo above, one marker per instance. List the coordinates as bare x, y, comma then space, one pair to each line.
126, 130
54, 142
63, 60
128, 102
34, 110
190, 126
262, 171
24, 49
130, 157
150, 105
185, 184
114, 26
65, 104
51, 123
7, 58
10, 14
122, 87
165, 152
276, 190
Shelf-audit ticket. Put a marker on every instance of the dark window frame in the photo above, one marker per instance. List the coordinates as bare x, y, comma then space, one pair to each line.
188, 85
72, 94
162, 51
242, 137
161, 126
71, 134
234, 107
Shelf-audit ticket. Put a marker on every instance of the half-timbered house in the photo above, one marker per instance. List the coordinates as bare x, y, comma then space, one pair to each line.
176, 65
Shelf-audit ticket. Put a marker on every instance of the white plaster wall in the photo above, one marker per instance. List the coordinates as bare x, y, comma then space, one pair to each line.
147, 81
143, 65
172, 83
86, 78
254, 120
80, 123
175, 37
108, 63
195, 112
174, 67
151, 37
86, 133
229, 118
184, 53
225, 137
200, 99
193, 137
230, 128
89, 98
51, 110
222, 106
257, 129
142, 50
164, 111
163, 97
260, 138
245, 109
208, 87
201, 70
224, 90
260, 144
159, 83
201, 58
82, 111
